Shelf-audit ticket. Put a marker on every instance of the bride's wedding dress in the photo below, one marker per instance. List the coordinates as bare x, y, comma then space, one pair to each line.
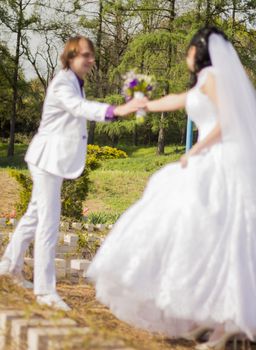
185, 253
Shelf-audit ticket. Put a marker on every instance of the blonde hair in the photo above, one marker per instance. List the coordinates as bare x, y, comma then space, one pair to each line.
71, 49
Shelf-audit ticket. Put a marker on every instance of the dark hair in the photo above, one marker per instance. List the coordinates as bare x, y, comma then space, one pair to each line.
71, 49
202, 57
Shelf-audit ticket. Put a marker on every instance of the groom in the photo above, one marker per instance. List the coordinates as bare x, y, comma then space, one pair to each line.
56, 152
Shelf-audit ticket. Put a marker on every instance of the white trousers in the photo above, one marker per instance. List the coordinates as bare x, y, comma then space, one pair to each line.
39, 223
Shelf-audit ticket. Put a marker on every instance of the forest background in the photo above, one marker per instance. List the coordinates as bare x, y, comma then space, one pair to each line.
149, 36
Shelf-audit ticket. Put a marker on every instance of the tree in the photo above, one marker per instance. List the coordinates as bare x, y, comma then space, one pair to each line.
13, 15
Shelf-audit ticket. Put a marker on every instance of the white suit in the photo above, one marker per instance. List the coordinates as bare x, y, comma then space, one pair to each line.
57, 151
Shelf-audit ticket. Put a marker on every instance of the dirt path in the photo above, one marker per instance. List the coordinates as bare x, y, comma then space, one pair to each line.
87, 312
9, 193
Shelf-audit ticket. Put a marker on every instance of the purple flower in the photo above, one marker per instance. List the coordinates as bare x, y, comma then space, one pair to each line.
149, 88
133, 83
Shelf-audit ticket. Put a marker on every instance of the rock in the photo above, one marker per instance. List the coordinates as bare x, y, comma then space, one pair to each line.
6, 316
71, 239
89, 227
77, 225
100, 227
79, 264
3, 222
55, 338
20, 327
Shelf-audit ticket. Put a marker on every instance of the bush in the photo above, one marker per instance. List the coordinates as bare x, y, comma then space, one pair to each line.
102, 218
73, 194
105, 152
26, 189
73, 191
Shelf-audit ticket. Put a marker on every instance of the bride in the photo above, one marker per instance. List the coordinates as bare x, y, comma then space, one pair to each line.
182, 260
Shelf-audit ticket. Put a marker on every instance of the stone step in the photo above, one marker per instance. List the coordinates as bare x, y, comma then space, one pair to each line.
61, 267
80, 264
55, 338
6, 316
71, 239
65, 248
20, 327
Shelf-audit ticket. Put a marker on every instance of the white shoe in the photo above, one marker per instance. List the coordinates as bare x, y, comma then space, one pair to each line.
17, 279
53, 300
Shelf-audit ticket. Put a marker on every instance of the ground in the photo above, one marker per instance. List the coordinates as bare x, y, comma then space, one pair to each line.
114, 186
105, 328
9, 193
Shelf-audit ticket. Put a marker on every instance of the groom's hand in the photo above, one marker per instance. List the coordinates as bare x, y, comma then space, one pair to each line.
131, 106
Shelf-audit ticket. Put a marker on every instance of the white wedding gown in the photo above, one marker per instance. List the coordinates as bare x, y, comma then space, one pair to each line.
185, 253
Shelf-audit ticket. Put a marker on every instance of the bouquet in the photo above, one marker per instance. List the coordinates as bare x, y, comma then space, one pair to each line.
137, 86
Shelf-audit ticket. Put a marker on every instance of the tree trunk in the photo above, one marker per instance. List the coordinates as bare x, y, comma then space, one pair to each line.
161, 138
135, 135
98, 68
10, 151
208, 12
234, 2
161, 134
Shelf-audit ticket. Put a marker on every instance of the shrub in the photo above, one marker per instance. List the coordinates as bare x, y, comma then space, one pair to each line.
102, 218
73, 194
25, 193
105, 152
73, 191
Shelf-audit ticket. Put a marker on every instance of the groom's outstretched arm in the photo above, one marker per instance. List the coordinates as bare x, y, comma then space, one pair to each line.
76, 105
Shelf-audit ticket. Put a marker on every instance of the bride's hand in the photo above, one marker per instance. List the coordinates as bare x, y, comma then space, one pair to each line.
131, 106
184, 160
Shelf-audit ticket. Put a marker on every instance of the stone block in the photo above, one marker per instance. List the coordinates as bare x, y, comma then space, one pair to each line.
20, 327
71, 239
54, 338
64, 248
60, 263
3, 222
6, 316
77, 225
89, 227
79, 264
100, 227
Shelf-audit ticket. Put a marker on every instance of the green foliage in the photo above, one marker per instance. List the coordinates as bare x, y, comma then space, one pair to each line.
26, 188
73, 194
89, 244
102, 218
105, 152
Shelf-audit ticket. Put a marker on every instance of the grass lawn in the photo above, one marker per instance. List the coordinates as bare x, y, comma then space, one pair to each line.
118, 183
17, 161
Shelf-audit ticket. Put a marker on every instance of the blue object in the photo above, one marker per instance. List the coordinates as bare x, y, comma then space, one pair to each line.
189, 137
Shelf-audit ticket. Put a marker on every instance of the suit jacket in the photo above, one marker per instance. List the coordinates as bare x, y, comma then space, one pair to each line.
59, 147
